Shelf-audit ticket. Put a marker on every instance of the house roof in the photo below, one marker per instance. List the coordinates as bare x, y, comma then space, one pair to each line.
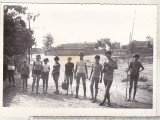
141, 43
76, 45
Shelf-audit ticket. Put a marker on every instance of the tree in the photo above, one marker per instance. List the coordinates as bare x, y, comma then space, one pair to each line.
48, 41
102, 43
17, 38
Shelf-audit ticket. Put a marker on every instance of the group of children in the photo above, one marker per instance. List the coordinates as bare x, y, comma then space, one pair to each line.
98, 72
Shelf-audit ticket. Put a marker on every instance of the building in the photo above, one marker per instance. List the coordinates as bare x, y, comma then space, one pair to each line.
74, 49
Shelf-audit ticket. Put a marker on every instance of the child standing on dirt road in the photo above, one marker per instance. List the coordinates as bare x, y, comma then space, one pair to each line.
36, 72
81, 72
11, 62
25, 75
56, 73
134, 68
45, 75
69, 69
96, 74
108, 70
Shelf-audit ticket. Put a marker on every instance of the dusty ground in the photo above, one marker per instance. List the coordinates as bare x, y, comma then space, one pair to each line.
14, 97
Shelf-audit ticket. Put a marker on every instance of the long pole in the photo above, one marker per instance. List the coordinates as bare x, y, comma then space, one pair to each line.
130, 40
29, 52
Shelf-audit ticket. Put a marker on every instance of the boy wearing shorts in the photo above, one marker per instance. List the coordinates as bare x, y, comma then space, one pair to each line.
25, 75
36, 72
96, 74
69, 69
134, 69
81, 72
108, 70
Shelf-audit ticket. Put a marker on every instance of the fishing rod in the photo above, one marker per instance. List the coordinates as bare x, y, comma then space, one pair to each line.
130, 40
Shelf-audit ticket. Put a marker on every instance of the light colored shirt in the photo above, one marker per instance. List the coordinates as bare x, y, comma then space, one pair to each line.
37, 65
81, 66
96, 70
46, 68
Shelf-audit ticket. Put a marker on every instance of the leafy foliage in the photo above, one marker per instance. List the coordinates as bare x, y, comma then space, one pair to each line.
102, 43
48, 41
17, 38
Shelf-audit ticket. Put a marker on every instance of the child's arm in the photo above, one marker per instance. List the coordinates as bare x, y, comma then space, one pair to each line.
129, 67
101, 75
73, 68
91, 73
86, 71
142, 68
33, 68
75, 71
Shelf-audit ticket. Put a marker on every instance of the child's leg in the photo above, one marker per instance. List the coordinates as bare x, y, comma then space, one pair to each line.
91, 87
26, 84
71, 81
96, 88
107, 92
84, 84
130, 88
77, 84
13, 78
46, 84
9, 76
135, 88
34, 80
67, 78
38, 78
23, 83
105, 97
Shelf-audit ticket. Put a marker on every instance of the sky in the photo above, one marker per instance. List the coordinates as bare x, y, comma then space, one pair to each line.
74, 23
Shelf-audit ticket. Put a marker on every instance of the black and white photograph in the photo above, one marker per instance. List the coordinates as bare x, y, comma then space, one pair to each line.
79, 56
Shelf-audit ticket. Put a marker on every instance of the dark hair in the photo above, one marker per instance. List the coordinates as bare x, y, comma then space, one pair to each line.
56, 58
109, 52
136, 55
81, 53
97, 56
46, 59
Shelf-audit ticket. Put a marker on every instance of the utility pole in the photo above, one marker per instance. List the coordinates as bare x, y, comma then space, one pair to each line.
29, 20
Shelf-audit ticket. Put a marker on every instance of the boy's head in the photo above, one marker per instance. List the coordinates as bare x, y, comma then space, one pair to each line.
136, 56
108, 54
56, 58
24, 61
45, 60
97, 58
38, 57
69, 59
81, 55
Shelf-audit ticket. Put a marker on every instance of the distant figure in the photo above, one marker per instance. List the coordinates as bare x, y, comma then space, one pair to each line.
25, 75
69, 70
56, 73
96, 74
11, 68
134, 69
81, 72
45, 75
108, 70
36, 72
